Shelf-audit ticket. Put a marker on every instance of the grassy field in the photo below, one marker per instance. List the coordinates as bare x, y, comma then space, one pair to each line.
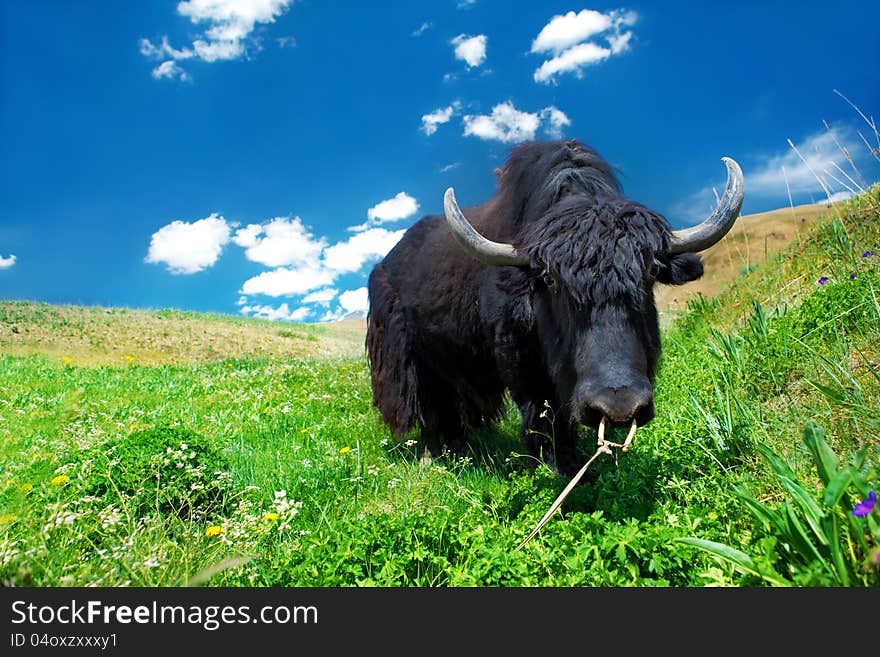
164, 448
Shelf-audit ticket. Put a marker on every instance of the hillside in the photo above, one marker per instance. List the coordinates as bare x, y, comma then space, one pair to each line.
752, 240
95, 336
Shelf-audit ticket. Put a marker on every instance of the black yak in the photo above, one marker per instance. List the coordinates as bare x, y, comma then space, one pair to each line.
545, 291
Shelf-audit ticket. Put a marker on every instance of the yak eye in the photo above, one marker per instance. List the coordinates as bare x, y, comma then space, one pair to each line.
655, 269
549, 280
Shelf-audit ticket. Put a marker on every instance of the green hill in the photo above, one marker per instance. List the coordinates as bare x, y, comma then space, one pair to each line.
162, 448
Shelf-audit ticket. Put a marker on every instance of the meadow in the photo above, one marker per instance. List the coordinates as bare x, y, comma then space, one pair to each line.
164, 448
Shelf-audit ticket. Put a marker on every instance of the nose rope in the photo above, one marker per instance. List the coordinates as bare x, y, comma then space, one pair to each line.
604, 447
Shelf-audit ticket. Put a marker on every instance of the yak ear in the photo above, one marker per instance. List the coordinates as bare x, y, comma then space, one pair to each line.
680, 269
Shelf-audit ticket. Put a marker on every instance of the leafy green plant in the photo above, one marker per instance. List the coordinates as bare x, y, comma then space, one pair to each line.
728, 349
166, 469
821, 538
726, 420
839, 306
844, 392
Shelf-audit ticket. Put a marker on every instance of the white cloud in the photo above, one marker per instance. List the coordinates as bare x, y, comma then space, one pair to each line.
352, 254
566, 30
280, 242
470, 49
424, 27
464, 4
163, 50
6, 263
249, 236
449, 167
765, 182
229, 24
211, 51
573, 59
355, 300
620, 42
302, 265
506, 123
187, 248
393, 209
438, 116
820, 154
285, 281
323, 297
232, 20
170, 70
556, 119
835, 197
350, 301
568, 38
305, 265
510, 125
282, 312
317, 265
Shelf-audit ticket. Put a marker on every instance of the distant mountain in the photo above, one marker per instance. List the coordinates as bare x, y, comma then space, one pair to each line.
354, 314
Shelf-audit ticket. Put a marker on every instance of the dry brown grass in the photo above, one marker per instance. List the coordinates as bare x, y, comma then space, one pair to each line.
96, 336
752, 240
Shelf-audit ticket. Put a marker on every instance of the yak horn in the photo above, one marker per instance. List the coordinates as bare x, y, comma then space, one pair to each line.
474, 244
704, 235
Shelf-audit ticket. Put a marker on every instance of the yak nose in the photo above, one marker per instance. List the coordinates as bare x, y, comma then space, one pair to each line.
621, 404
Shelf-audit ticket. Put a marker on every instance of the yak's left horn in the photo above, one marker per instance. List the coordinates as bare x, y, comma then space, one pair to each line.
474, 244
704, 235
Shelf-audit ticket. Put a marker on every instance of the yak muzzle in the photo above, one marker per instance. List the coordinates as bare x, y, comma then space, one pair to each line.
619, 404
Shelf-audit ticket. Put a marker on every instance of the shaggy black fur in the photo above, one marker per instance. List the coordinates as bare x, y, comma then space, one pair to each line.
573, 337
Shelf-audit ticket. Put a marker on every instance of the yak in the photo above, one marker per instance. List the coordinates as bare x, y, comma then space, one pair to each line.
544, 291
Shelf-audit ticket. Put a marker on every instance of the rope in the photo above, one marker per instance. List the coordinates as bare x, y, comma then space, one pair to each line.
604, 447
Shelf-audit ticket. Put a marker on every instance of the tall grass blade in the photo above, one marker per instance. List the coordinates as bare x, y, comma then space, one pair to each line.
740, 560
824, 458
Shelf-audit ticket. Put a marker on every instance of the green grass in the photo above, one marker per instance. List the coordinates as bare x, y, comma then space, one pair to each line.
273, 468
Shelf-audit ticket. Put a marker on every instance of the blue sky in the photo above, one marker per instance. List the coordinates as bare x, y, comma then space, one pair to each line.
259, 156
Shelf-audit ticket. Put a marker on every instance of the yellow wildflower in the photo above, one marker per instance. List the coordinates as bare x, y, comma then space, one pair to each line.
345, 450
303, 430
214, 530
129, 358
67, 360
8, 518
59, 480
270, 517
26, 487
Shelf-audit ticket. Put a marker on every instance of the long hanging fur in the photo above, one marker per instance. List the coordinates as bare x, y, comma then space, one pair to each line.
392, 370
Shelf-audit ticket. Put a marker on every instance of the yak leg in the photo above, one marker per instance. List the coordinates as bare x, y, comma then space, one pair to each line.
442, 427
443, 438
439, 441
549, 437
